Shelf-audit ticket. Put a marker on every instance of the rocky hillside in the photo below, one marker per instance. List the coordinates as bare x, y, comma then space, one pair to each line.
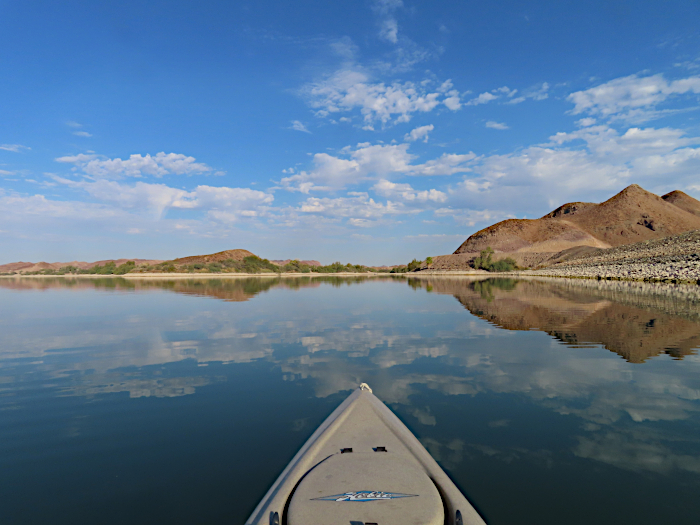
674, 258
631, 216
683, 201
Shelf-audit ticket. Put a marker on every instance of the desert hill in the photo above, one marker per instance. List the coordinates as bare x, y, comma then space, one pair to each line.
683, 201
236, 255
631, 216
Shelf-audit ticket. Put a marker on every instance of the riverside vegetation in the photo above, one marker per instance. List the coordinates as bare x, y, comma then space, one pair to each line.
256, 265
249, 265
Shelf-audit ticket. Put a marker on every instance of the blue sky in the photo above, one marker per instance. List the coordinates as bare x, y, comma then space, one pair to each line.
367, 131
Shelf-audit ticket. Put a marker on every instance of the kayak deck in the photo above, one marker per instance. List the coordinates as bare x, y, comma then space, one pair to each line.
363, 466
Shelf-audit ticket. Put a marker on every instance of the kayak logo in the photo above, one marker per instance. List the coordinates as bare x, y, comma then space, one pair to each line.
365, 495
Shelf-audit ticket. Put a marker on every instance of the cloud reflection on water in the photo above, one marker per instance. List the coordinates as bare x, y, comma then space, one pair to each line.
418, 343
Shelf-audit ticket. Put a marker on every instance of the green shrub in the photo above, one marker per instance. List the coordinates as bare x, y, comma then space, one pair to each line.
414, 265
125, 268
485, 262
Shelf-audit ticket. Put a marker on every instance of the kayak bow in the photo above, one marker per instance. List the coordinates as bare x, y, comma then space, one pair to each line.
362, 466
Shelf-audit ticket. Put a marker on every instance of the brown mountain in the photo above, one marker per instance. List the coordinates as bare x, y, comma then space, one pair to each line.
631, 216
683, 201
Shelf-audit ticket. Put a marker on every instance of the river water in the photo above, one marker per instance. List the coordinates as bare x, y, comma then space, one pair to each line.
180, 401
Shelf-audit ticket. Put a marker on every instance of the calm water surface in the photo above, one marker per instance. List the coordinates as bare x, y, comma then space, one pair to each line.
180, 402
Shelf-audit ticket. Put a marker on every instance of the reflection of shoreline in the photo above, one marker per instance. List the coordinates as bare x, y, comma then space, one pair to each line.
137, 276
636, 322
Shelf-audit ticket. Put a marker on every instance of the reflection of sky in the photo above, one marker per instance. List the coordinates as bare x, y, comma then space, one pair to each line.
409, 345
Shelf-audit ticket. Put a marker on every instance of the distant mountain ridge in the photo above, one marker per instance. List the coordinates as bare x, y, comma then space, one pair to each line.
280, 262
35, 267
236, 255
631, 216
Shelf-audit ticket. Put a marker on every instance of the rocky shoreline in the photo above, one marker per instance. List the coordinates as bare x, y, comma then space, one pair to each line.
675, 259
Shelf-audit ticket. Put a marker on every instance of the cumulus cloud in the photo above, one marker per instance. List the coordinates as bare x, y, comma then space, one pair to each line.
585, 164
351, 89
405, 193
586, 122
632, 96
299, 126
484, 98
389, 30
471, 217
358, 208
388, 26
631, 146
158, 198
496, 125
539, 92
366, 162
26, 207
135, 166
14, 147
494, 94
420, 133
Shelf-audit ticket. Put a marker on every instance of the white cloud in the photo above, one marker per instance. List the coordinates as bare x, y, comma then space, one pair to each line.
386, 6
630, 147
388, 27
420, 133
505, 90
484, 98
389, 30
496, 125
15, 206
470, 218
5, 173
587, 164
358, 208
351, 89
586, 122
367, 162
136, 165
540, 92
299, 126
82, 134
446, 164
631, 96
452, 101
158, 198
405, 193
14, 147
74, 124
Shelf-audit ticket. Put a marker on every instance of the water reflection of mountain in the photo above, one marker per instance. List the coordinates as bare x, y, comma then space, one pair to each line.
634, 320
227, 289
